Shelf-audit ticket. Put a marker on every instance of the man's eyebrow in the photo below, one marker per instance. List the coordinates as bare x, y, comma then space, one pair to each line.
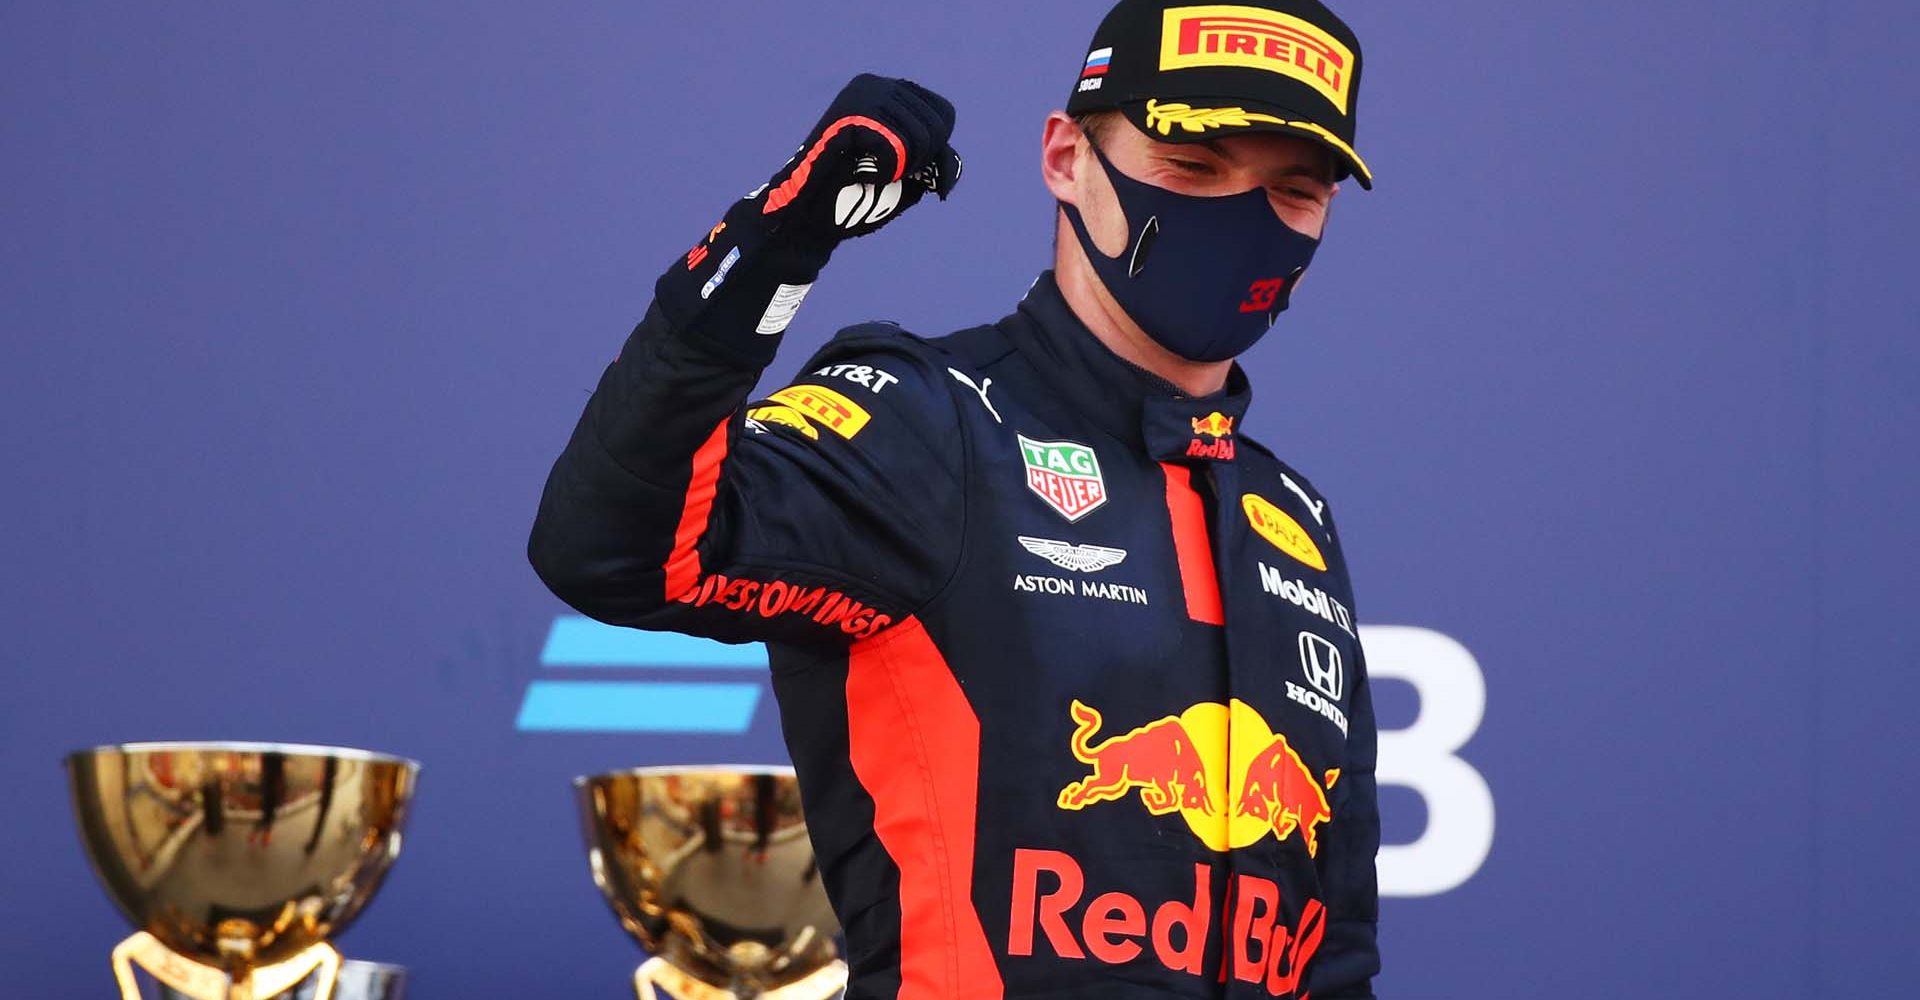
1322, 173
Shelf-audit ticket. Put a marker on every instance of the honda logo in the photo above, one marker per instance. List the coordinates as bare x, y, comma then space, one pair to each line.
1320, 660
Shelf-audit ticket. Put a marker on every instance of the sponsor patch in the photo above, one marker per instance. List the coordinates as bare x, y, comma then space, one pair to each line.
1065, 474
1079, 558
1257, 38
1222, 451
1279, 528
785, 416
1215, 424
779, 315
1219, 427
1306, 597
825, 407
979, 389
1233, 793
1049, 909
865, 376
770, 599
1315, 507
1320, 661
1119, 593
1313, 702
720, 274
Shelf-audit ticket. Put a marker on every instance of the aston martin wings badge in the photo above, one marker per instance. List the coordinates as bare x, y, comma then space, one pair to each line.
1079, 558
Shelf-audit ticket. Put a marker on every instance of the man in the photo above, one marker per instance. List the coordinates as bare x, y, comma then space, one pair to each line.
1064, 660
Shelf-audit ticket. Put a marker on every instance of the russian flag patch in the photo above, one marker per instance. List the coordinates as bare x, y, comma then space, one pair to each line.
1097, 63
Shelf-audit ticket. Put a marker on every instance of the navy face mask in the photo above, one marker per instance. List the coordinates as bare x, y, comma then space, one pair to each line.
1204, 277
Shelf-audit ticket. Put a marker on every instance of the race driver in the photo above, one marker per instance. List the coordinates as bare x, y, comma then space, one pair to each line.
1065, 660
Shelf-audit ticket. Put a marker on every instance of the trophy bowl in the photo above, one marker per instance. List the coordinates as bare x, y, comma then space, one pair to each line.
237, 861
711, 870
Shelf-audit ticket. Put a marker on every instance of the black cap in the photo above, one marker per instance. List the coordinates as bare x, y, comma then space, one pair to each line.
1184, 72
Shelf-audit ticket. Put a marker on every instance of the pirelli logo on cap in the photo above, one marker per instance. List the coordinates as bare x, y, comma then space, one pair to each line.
1257, 38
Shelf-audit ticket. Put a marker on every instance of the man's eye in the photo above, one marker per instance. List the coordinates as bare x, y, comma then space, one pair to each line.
1190, 166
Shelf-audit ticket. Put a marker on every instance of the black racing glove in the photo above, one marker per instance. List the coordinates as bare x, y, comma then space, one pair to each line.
882, 145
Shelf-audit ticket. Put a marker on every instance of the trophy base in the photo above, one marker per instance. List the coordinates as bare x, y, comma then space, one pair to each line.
195, 981
658, 974
358, 981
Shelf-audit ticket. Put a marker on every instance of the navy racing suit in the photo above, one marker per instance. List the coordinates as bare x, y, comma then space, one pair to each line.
1065, 661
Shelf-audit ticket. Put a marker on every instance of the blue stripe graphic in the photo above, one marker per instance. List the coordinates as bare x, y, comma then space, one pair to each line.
568, 706
638, 707
576, 641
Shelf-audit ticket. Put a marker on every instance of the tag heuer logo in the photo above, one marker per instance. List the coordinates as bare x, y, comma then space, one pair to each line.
1064, 474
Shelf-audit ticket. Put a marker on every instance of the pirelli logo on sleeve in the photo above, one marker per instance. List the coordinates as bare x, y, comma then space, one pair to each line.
823, 406
1256, 38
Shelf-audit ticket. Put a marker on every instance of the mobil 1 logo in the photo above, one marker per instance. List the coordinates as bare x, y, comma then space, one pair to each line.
1307, 597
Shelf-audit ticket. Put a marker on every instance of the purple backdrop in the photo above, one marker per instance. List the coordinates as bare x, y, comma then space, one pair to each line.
1612, 380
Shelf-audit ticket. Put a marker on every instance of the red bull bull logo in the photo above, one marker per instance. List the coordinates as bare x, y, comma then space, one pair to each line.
1219, 427
1279, 791
1221, 767
1159, 758
1215, 424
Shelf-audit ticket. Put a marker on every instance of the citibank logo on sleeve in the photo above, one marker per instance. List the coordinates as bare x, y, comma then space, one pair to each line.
1301, 595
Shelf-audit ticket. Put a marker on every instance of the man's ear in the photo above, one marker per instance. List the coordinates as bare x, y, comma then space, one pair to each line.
1060, 146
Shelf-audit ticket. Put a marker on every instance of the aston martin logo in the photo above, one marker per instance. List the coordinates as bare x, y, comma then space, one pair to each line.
1079, 558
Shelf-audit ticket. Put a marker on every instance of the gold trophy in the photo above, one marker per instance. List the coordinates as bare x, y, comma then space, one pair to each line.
711, 869
237, 861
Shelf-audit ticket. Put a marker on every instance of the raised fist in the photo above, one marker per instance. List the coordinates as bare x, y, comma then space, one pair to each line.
878, 150
881, 146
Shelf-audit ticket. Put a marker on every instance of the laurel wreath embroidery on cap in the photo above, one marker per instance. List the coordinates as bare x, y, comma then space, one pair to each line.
1163, 117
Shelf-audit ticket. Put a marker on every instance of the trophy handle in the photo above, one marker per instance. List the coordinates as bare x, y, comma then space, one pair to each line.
182, 975
658, 972
276, 979
204, 982
824, 984
827, 982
